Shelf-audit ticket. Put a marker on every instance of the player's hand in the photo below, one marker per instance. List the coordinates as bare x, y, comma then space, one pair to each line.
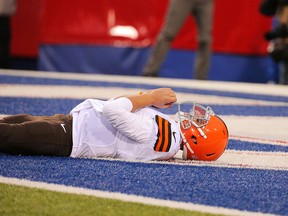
162, 97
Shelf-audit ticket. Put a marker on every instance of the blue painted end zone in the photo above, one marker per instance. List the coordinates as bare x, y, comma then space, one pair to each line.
130, 61
10, 106
265, 191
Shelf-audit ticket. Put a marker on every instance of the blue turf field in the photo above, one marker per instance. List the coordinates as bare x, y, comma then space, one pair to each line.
244, 189
256, 190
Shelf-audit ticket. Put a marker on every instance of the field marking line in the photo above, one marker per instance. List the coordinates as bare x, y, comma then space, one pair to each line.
128, 198
245, 159
105, 93
241, 87
230, 159
262, 128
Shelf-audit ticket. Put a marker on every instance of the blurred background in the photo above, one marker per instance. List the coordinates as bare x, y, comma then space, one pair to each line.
116, 36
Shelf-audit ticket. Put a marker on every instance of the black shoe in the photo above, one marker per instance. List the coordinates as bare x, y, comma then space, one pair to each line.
150, 75
270, 35
279, 53
280, 31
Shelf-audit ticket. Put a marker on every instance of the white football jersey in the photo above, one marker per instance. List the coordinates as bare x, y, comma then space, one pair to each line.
110, 129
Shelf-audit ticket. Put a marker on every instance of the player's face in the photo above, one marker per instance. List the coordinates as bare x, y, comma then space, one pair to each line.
199, 118
194, 114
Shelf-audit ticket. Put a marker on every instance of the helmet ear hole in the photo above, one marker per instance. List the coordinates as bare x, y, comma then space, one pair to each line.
209, 155
194, 139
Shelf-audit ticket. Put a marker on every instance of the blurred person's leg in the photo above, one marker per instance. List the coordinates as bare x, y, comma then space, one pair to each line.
203, 13
178, 10
5, 33
283, 73
282, 16
282, 12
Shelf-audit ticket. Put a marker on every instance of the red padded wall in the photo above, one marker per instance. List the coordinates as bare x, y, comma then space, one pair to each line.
238, 26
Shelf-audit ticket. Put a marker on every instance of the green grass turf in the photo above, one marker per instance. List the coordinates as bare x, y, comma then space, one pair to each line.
18, 200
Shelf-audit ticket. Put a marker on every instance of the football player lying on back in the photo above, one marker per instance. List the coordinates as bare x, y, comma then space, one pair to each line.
127, 127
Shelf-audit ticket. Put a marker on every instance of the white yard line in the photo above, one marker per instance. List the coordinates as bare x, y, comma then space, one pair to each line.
83, 92
263, 129
127, 198
269, 89
230, 159
244, 159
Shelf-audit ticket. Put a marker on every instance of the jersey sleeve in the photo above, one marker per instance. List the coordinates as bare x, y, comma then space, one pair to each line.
136, 126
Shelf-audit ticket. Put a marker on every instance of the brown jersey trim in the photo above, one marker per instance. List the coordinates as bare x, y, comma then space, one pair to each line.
163, 142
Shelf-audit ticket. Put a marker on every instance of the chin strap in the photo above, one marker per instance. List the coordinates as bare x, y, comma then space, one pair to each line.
184, 140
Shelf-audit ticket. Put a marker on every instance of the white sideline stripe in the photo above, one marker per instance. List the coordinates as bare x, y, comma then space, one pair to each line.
83, 92
230, 159
268, 89
244, 159
263, 129
126, 197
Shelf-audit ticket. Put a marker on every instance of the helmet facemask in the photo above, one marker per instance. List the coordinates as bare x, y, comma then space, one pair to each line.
196, 115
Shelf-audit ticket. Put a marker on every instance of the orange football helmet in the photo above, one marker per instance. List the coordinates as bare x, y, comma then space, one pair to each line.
204, 134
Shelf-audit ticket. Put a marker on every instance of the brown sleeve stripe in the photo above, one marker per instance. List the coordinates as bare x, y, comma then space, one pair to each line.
163, 142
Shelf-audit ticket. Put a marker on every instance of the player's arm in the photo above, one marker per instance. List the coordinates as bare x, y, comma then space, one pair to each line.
159, 98
120, 112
